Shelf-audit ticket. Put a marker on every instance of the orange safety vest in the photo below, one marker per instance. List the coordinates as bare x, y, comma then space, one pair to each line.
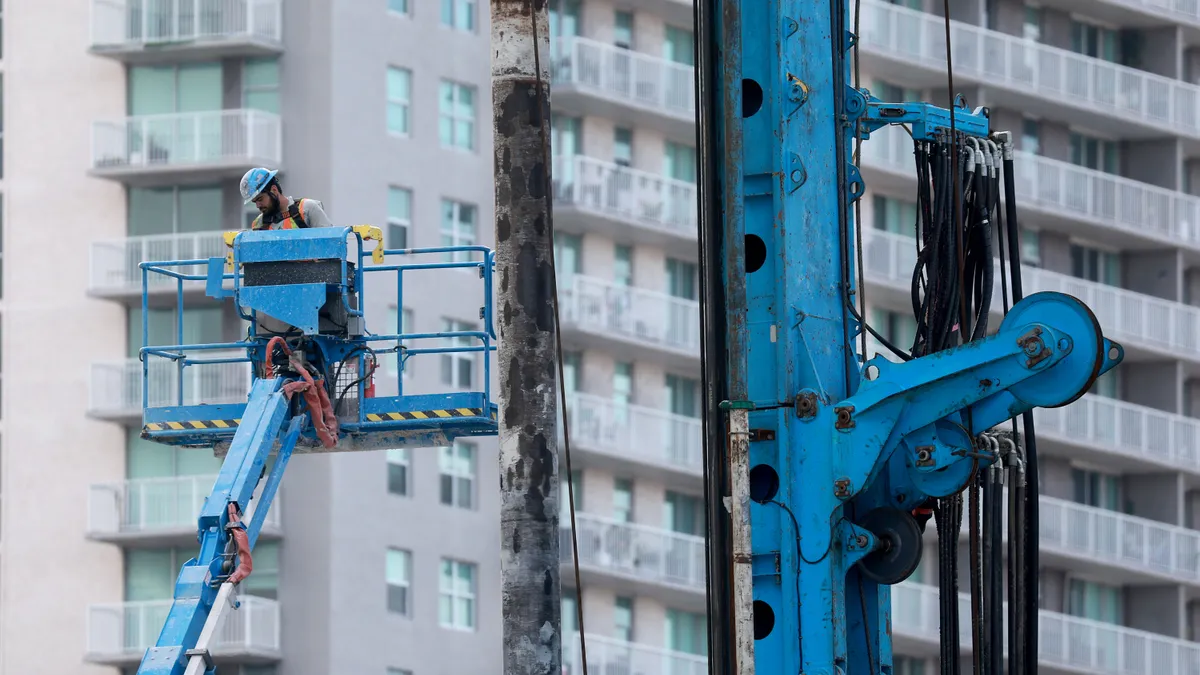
294, 220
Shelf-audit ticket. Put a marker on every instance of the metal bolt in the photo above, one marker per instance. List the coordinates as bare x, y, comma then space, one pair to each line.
861, 541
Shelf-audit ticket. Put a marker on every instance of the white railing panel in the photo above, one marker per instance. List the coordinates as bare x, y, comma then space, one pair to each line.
624, 75
636, 432
653, 318
149, 505
999, 59
129, 628
116, 388
187, 139
114, 263
1070, 191
647, 199
618, 657
134, 23
646, 553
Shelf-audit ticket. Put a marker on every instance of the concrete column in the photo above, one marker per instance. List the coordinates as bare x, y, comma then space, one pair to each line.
1153, 384
1157, 496
1158, 609
1157, 273
1154, 162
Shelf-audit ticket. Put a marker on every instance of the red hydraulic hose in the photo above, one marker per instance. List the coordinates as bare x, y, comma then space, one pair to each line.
270, 367
320, 410
245, 561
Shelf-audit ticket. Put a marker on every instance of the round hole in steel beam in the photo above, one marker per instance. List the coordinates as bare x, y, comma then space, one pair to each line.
756, 253
752, 97
764, 619
764, 483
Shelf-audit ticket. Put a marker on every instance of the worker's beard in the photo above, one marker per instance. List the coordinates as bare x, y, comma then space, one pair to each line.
271, 212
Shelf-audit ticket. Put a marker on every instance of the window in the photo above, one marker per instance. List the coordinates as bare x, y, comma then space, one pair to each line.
687, 632
150, 573
1097, 42
459, 14
905, 665
459, 221
622, 391
1094, 488
623, 29
1031, 247
622, 500
456, 116
568, 251
898, 216
399, 216
1095, 601
898, 329
399, 99
173, 210
458, 368
398, 7
399, 581
1095, 153
457, 466
680, 162
570, 613
682, 279
683, 513
260, 84
571, 367
623, 146
623, 265
623, 619
1032, 28
456, 595
1096, 265
399, 671
399, 471
683, 396
1031, 136
678, 46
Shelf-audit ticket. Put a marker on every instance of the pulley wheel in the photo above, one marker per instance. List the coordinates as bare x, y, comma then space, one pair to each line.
898, 548
1066, 381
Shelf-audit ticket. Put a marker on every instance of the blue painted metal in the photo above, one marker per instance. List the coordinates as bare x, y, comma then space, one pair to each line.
840, 443
247, 433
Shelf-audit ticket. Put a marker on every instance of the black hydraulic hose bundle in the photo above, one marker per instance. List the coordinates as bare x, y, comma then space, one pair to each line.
952, 295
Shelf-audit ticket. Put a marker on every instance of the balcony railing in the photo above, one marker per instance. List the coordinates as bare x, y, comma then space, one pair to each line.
1105, 536
1063, 640
651, 318
187, 140
114, 263
1131, 430
1002, 60
637, 551
126, 630
624, 75
116, 388
646, 199
132, 24
1071, 191
154, 505
1128, 317
636, 433
609, 655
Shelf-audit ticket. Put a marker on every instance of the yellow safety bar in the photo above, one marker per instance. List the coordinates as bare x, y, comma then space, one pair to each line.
367, 232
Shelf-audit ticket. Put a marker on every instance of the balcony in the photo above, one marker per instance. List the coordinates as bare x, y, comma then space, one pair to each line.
909, 47
666, 446
1130, 214
591, 195
116, 387
1064, 642
599, 313
609, 655
160, 512
119, 634
1139, 322
631, 88
114, 264
142, 32
638, 558
184, 148
1127, 431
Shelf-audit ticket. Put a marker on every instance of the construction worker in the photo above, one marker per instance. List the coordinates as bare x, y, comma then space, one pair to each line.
276, 210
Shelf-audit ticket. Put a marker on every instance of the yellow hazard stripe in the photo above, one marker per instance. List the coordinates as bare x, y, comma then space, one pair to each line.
190, 425
425, 414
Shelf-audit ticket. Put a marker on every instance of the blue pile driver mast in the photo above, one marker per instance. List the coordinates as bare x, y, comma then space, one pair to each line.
819, 461
311, 376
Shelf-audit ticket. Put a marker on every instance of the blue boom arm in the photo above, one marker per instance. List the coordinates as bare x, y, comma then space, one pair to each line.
826, 454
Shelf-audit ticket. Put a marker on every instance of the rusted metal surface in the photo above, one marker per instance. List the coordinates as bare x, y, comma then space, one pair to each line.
526, 356
743, 576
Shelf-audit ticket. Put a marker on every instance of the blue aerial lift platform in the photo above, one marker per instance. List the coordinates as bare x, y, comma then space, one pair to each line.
313, 366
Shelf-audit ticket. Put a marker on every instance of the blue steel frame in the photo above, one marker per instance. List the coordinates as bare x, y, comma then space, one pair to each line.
834, 437
371, 427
